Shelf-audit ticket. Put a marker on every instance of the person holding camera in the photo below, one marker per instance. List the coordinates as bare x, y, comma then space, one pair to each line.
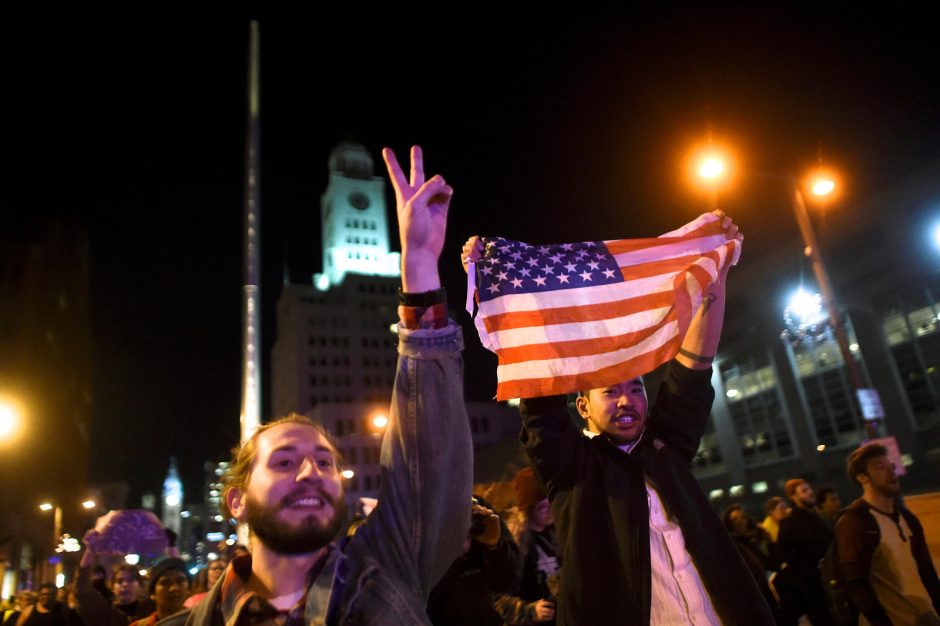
491, 564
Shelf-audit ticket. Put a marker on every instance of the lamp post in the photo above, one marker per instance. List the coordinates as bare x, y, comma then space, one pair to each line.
821, 185
45, 507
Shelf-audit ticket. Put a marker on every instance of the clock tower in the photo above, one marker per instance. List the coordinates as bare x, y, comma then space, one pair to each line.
355, 222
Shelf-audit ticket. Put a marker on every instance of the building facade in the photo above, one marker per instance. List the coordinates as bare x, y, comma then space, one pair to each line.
785, 407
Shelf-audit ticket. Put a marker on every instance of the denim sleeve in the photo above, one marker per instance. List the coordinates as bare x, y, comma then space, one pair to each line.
420, 522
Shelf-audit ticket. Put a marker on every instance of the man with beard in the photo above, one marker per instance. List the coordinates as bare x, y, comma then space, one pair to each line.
884, 563
285, 484
803, 540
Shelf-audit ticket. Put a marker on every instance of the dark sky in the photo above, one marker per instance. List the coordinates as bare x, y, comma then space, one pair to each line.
551, 127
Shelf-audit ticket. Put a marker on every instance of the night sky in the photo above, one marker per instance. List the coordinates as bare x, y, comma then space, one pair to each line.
557, 127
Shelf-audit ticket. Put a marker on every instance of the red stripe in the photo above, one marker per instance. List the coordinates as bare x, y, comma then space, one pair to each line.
643, 364
655, 268
578, 347
621, 246
579, 313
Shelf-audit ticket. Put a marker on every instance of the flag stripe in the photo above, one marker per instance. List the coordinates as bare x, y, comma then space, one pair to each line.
575, 348
572, 314
570, 365
595, 329
534, 387
673, 250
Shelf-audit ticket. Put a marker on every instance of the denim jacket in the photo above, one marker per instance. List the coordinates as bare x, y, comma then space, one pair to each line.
419, 525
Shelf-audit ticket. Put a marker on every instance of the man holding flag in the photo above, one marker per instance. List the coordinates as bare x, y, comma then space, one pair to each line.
639, 539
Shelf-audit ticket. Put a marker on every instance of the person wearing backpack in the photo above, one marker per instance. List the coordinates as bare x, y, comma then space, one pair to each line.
884, 565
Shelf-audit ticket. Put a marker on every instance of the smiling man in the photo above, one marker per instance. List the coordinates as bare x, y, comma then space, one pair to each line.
640, 542
285, 483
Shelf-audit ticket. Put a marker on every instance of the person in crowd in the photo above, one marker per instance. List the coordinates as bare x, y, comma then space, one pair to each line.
531, 525
205, 580
759, 553
168, 587
48, 611
490, 564
639, 539
803, 540
24, 600
285, 485
775, 509
126, 585
99, 580
884, 563
830, 505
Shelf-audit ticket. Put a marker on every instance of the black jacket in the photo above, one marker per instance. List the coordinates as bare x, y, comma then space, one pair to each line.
601, 513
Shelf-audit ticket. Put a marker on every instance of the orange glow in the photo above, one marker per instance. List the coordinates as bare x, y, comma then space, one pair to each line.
380, 421
709, 166
823, 184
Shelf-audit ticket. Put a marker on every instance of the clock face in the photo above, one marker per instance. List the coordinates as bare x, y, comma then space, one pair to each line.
359, 200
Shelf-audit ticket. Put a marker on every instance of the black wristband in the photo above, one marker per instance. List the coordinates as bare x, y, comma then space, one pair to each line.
698, 358
423, 299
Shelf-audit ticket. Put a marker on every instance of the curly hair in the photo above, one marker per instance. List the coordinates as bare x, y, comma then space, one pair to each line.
243, 456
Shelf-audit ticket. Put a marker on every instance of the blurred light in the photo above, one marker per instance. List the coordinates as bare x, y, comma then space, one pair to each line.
194, 570
69, 544
185, 514
9, 420
821, 447
732, 393
132, 559
736, 490
59, 580
936, 235
45, 506
88, 504
348, 473
380, 421
212, 556
714, 494
853, 347
711, 167
172, 500
823, 186
806, 308
907, 460
215, 536
143, 573
218, 518
759, 487
230, 542
393, 328
513, 402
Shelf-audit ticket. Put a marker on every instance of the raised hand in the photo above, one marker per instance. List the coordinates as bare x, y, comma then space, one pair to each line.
471, 252
422, 220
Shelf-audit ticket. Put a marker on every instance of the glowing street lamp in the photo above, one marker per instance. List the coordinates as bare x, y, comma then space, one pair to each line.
9, 420
89, 504
380, 421
711, 168
348, 473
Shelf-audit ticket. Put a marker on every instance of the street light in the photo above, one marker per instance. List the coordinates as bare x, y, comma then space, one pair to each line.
45, 507
9, 419
822, 184
89, 504
380, 421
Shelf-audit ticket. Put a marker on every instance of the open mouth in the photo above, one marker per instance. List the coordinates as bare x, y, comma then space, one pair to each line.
307, 501
627, 419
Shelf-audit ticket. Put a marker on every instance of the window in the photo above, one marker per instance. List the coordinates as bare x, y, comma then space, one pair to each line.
757, 413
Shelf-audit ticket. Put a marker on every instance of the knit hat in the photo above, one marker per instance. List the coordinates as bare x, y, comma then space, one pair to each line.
162, 566
528, 490
790, 486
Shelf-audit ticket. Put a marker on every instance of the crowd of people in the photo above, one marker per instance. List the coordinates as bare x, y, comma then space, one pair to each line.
609, 524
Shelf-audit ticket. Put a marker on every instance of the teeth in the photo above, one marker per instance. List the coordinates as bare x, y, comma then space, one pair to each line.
310, 501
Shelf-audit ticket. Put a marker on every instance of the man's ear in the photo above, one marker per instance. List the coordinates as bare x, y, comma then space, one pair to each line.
581, 403
863, 479
235, 499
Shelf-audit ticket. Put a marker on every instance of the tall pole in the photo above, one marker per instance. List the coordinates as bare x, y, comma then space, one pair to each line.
828, 295
251, 304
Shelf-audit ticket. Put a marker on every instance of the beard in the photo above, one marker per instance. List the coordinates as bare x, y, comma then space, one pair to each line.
286, 538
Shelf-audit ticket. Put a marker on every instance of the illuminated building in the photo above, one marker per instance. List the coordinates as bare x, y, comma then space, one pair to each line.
335, 353
172, 502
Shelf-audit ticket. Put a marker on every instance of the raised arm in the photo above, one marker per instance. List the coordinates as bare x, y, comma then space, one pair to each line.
701, 341
423, 511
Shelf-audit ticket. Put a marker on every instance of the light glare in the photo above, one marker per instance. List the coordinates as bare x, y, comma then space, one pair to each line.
711, 168
88, 504
380, 421
348, 473
45, 506
823, 187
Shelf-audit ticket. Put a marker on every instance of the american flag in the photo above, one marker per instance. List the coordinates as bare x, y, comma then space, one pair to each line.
574, 316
